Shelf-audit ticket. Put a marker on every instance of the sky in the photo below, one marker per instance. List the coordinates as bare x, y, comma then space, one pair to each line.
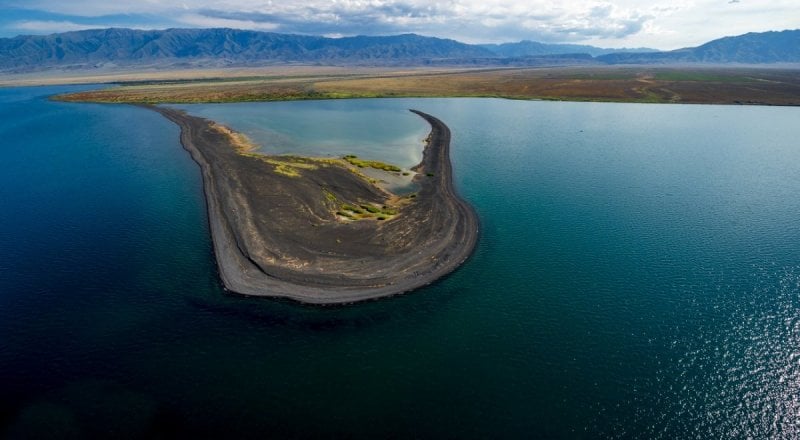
617, 23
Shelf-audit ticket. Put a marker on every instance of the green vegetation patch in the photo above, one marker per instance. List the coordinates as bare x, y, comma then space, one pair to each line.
361, 163
371, 209
288, 166
366, 211
329, 195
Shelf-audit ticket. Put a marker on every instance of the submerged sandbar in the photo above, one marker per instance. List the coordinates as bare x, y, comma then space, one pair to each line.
318, 231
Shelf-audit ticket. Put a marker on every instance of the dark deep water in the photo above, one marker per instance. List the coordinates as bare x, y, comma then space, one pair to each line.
638, 276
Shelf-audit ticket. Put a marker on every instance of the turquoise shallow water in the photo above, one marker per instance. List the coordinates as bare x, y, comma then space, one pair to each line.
638, 275
327, 128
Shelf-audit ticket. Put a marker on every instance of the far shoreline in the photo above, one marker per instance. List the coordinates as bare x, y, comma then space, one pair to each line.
721, 85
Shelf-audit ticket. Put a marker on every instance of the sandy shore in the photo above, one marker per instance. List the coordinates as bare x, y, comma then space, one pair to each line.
277, 234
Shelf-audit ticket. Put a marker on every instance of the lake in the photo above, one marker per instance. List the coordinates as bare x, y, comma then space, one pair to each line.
637, 275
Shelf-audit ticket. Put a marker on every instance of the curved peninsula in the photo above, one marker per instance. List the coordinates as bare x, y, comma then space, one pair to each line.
316, 230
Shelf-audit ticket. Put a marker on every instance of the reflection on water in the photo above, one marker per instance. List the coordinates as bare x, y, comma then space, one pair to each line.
744, 371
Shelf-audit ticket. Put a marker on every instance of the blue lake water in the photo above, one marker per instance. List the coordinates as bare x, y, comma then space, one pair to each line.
638, 275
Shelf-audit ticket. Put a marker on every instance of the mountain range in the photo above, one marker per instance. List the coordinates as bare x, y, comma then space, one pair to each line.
751, 48
528, 48
230, 47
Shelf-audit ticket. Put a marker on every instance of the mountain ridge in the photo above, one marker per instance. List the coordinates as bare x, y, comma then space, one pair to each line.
534, 48
119, 46
219, 47
750, 48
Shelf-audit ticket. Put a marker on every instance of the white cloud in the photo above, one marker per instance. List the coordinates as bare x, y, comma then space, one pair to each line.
45, 26
604, 22
691, 22
55, 26
198, 20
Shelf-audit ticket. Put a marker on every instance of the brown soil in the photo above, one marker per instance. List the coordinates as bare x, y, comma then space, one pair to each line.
652, 84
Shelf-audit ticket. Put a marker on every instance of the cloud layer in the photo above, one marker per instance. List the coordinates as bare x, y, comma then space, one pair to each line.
610, 23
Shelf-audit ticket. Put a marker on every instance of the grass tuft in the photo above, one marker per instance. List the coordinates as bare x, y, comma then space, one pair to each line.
361, 163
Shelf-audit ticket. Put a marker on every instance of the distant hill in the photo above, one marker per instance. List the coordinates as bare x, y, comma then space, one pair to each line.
528, 48
109, 48
125, 47
751, 48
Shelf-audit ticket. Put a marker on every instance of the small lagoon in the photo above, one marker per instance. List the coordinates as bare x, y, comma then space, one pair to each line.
372, 130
